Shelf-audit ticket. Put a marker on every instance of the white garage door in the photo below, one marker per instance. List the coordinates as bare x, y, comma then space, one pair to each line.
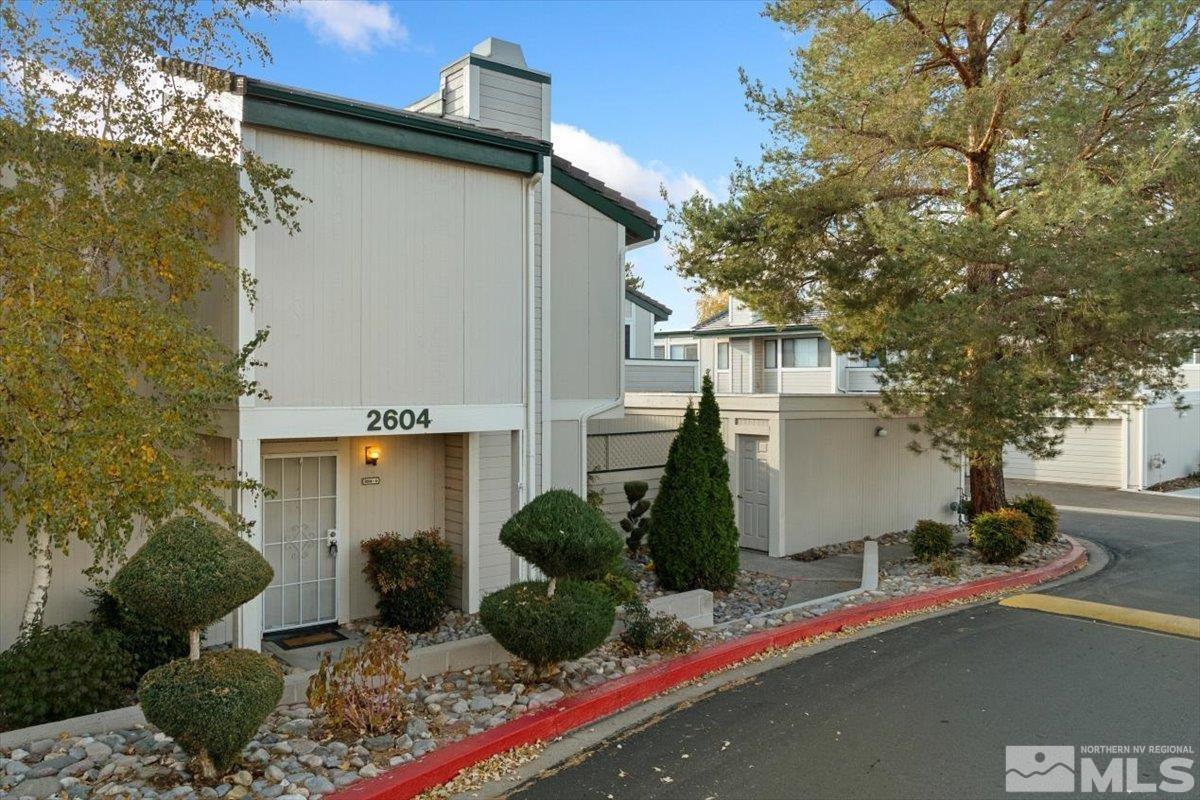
1089, 455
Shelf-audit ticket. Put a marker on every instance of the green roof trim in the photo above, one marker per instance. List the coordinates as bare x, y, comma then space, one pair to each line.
507, 69
754, 331
636, 229
334, 118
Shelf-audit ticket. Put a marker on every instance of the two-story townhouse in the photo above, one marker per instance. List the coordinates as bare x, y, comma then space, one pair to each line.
443, 328
810, 462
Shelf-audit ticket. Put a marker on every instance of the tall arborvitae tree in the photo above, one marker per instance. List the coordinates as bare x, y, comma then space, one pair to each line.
684, 545
120, 185
999, 197
721, 532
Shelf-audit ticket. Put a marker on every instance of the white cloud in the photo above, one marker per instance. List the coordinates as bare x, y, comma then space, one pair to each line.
360, 25
632, 178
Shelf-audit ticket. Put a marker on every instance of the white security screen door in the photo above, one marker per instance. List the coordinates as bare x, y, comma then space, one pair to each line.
299, 525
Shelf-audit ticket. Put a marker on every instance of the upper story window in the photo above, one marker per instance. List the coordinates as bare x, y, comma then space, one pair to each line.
722, 355
801, 353
771, 354
683, 351
873, 361
629, 341
660, 351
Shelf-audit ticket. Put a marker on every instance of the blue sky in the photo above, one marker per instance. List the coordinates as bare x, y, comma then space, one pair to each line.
643, 93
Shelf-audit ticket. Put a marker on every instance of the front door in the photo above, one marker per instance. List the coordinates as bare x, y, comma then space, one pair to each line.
754, 493
300, 540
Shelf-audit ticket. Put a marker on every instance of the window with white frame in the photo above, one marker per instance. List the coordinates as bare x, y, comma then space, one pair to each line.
660, 351
677, 351
810, 352
722, 356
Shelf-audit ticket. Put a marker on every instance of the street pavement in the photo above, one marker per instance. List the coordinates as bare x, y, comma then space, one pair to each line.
926, 710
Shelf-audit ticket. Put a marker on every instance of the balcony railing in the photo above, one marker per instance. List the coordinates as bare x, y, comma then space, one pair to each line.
661, 375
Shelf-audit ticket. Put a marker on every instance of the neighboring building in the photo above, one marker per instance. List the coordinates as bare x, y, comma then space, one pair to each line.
644, 367
444, 326
810, 463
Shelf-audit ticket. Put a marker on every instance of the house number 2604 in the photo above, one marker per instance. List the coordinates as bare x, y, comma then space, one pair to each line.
389, 419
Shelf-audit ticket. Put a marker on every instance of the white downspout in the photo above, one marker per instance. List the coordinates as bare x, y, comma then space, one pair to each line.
530, 460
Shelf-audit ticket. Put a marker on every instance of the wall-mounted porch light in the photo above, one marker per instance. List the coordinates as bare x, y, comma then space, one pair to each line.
373, 452
881, 432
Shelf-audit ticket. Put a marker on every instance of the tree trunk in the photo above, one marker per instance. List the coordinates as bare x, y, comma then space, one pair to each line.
194, 644
39, 586
205, 766
987, 486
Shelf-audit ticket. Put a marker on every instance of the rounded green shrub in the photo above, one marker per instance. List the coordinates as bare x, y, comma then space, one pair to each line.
150, 644
1001, 535
412, 575
64, 671
1042, 514
543, 629
929, 539
562, 536
212, 706
190, 573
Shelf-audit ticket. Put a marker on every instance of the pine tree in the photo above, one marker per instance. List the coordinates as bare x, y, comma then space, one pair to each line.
998, 198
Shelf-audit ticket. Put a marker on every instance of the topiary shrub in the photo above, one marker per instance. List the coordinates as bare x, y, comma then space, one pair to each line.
929, 539
544, 629
150, 644
1042, 514
562, 536
660, 633
212, 706
63, 671
189, 574
635, 523
412, 575
693, 542
1001, 535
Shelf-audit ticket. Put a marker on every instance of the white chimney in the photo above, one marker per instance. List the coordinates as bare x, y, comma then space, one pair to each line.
494, 87
739, 313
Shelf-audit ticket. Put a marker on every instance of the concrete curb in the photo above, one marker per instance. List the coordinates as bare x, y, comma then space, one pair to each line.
580, 709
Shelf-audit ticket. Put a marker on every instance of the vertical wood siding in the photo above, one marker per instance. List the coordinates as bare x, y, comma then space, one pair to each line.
495, 507
401, 285
456, 509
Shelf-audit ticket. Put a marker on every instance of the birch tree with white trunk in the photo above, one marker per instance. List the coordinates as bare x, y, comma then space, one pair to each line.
120, 174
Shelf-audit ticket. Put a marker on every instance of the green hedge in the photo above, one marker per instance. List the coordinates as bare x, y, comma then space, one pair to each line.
930, 539
412, 575
212, 707
545, 630
148, 643
1001, 535
65, 671
562, 536
191, 573
1042, 514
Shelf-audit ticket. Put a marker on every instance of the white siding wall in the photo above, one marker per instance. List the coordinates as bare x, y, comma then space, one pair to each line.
1090, 455
454, 95
565, 457
612, 487
843, 482
510, 103
1175, 436
586, 282
741, 364
495, 507
401, 285
818, 380
642, 345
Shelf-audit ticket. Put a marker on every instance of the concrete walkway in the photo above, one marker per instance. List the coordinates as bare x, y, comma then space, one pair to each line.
1101, 498
811, 580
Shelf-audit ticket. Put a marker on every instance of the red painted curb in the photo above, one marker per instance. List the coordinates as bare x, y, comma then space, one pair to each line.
587, 706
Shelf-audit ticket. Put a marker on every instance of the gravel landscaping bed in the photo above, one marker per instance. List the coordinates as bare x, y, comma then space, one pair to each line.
295, 755
1175, 484
455, 625
754, 593
845, 548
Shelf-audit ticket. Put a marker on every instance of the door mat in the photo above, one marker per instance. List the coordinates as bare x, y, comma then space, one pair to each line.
293, 641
